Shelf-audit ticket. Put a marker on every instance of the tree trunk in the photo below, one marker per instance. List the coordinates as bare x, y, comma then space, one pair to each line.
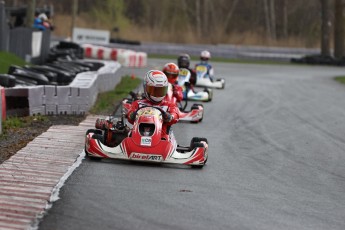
325, 27
31, 13
229, 15
339, 32
205, 21
74, 15
285, 19
273, 20
267, 21
198, 18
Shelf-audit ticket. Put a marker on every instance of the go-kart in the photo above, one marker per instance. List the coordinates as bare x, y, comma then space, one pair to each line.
188, 92
204, 80
194, 115
112, 138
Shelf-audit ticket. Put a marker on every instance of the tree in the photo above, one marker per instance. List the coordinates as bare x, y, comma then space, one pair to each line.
339, 30
325, 27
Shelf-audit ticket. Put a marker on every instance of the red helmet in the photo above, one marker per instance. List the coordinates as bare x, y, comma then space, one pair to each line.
171, 70
155, 86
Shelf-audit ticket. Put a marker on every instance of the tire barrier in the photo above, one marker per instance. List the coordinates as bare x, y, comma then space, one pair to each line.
73, 99
125, 57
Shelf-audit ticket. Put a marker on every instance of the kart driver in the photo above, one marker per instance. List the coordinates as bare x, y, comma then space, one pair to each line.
204, 57
183, 61
171, 70
155, 86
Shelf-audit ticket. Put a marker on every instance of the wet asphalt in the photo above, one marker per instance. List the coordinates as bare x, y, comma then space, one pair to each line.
276, 138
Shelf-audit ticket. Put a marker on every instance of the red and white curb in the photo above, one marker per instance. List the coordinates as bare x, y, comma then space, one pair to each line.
30, 180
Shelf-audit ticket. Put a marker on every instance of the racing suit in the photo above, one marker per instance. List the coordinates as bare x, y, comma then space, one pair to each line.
210, 70
168, 119
176, 93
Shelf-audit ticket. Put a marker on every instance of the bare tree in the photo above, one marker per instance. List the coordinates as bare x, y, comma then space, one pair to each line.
267, 20
339, 29
273, 20
285, 19
198, 18
229, 15
325, 27
74, 15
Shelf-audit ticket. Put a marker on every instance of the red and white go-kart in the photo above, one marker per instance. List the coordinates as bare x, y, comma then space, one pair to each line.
143, 142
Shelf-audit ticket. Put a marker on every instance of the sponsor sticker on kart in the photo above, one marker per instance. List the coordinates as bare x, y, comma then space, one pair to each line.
146, 157
146, 141
201, 68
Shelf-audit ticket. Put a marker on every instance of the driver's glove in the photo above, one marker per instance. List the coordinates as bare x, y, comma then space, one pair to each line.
167, 117
132, 116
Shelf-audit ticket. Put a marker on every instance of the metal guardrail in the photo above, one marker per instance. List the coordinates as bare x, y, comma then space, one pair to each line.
222, 50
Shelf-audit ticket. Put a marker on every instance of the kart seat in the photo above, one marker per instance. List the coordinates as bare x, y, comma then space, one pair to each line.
146, 129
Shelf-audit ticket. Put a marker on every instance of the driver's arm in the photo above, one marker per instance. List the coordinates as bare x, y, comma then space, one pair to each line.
173, 111
131, 113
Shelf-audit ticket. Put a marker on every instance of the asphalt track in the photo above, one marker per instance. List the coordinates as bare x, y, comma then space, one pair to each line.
276, 161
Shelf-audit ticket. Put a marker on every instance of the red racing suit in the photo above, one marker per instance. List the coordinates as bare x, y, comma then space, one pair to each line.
166, 105
175, 93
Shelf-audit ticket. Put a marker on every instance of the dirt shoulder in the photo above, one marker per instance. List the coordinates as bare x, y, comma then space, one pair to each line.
17, 138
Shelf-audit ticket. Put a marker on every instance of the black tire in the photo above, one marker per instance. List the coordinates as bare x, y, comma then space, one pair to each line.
194, 106
209, 94
7, 80
197, 166
221, 79
88, 156
95, 131
26, 74
195, 142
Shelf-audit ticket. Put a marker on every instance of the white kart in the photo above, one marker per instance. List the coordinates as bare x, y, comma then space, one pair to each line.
203, 79
188, 92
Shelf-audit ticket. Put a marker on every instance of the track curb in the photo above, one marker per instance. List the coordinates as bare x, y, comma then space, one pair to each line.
31, 179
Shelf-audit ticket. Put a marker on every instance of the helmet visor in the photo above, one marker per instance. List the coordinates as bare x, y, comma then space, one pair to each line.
171, 75
155, 91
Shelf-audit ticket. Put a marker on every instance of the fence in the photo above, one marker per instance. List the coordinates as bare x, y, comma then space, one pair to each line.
27, 43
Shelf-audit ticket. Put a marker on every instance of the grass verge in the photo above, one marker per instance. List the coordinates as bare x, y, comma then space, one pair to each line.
13, 123
340, 79
107, 102
7, 59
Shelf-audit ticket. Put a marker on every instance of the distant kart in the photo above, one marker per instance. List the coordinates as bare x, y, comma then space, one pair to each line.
143, 142
194, 115
203, 79
188, 92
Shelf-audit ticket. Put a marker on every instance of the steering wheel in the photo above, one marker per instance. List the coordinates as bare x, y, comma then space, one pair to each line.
145, 106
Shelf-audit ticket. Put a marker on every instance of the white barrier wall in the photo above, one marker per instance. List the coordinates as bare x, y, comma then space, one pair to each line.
125, 57
76, 98
1, 109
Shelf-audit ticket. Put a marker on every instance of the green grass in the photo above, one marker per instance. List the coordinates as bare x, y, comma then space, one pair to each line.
340, 79
108, 101
19, 122
226, 60
7, 59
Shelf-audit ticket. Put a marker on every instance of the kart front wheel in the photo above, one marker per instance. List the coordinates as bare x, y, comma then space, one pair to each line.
88, 156
196, 142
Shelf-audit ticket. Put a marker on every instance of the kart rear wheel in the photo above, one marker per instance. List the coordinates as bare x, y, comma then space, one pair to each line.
222, 79
209, 94
196, 106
